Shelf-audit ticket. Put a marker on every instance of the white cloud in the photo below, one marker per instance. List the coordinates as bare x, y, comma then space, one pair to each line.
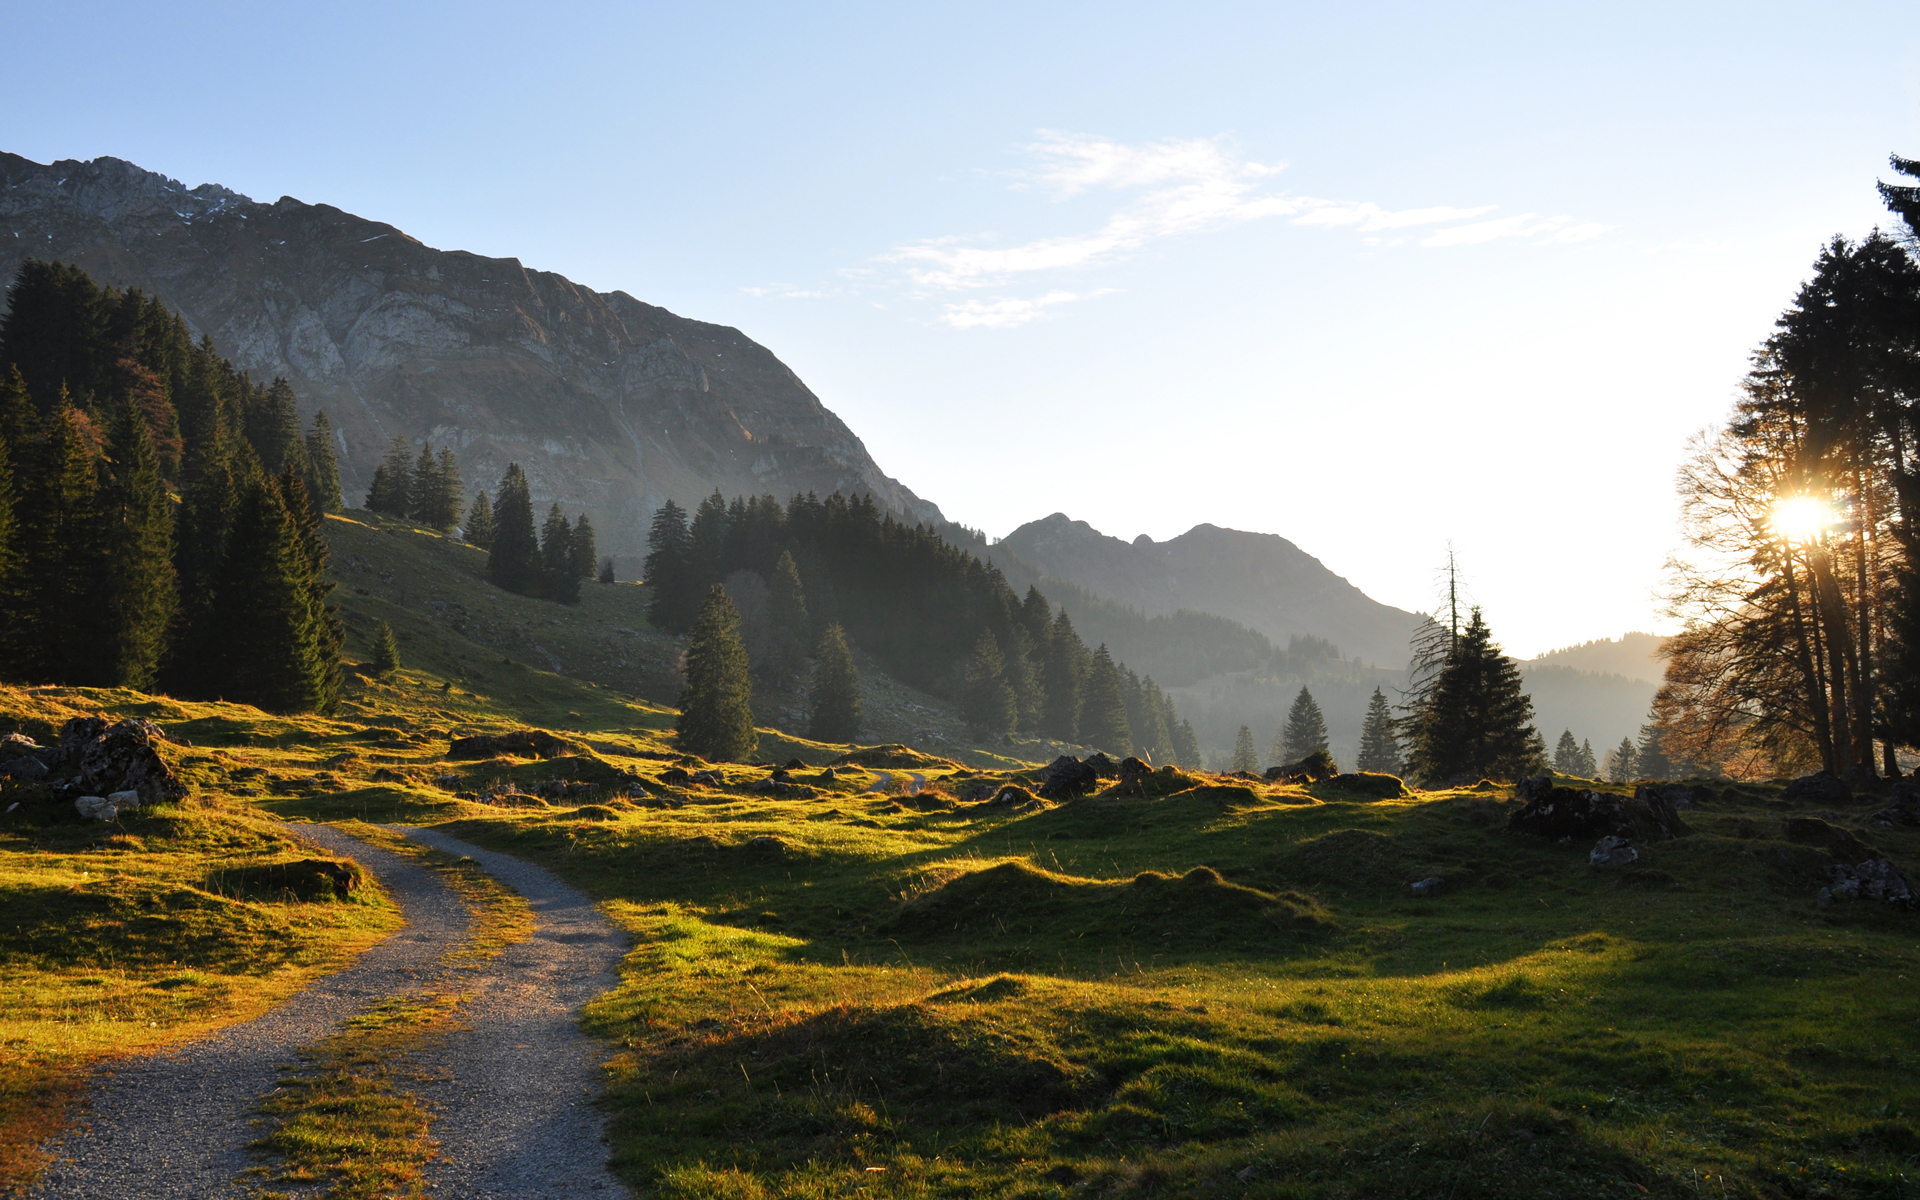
1181, 187
1005, 314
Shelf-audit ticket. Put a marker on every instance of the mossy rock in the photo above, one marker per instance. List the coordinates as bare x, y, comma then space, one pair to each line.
893, 754
306, 879
1360, 785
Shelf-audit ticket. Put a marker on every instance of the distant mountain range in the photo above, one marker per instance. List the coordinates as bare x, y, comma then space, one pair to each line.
611, 405
1261, 580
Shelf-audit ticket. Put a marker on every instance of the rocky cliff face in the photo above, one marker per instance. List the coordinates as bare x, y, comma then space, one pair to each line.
1258, 579
612, 406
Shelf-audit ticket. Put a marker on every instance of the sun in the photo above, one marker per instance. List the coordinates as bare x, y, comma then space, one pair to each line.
1803, 518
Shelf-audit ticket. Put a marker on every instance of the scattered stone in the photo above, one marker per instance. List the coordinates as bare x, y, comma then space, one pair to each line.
1905, 809
14, 745
1102, 766
709, 778
636, 792
1610, 852
1822, 787
25, 767
829, 775
1067, 777
1430, 886
676, 776
1311, 769
766, 843
1132, 770
1533, 787
794, 764
447, 783
1248, 1174
107, 808
120, 757
1875, 879
1369, 785
1679, 795
520, 743
388, 775
1563, 813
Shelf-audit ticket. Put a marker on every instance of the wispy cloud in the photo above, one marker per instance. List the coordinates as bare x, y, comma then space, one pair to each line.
1005, 314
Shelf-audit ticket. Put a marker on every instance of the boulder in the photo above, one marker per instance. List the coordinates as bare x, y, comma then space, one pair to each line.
1679, 795
766, 843
107, 808
1132, 770
708, 778
1314, 767
520, 743
1564, 814
676, 776
1067, 777
794, 764
1368, 785
1103, 766
1822, 787
1874, 879
829, 775
119, 757
1430, 886
1842, 844
15, 745
25, 767
1611, 851
1533, 787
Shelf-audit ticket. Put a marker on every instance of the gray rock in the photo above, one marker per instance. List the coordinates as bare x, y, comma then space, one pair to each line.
1067, 777
1821, 787
106, 808
25, 767
120, 757
1611, 852
1533, 787
14, 745
1563, 813
1430, 886
1679, 795
1876, 879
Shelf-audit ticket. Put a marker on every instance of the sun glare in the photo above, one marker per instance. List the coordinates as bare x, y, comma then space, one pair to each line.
1803, 518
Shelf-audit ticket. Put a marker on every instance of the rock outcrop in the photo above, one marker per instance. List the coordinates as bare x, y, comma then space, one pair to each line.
610, 404
1563, 814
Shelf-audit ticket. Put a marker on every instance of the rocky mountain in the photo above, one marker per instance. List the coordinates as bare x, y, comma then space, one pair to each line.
1261, 580
611, 405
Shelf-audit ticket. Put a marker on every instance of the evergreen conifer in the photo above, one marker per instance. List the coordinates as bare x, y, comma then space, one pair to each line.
716, 713
986, 701
273, 428
391, 492
271, 651
1306, 729
1245, 757
834, 699
1623, 762
558, 582
1566, 754
478, 530
323, 467
1477, 719
1186, 745
606, 569
12, 631
136, 587
789, 623
1103, 709
667, 571
329, 632
1379, 748
583, 555
1063, 676
1589, 766
1653, 760
513, 561
386, 650
63, 552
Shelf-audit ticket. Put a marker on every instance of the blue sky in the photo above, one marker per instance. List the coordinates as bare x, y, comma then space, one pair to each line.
1373, 279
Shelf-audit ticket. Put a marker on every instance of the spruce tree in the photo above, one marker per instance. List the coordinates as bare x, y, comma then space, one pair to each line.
1245, 758
667, 571
12, 630
1589, 766
391, 492
1477, 720
136, 589
707, 540
1022, 674
1186, 746
270, 653
1653, 760
1566, 754
273, 428
478, 530
833, 702
329, 632
1153, 739
716, 711
513, 561
1063, 676
986, 701
1103, 710
1306, 729
1623, 762
789, 622
557, 580
583, 554
209, 502
423, 490
606, 569
62, 549
323, 467
446, 491
19, 419
386, 650
1379, 749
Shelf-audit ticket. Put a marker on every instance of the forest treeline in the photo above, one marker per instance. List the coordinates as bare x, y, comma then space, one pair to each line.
108, 412
937, 617
1799, 594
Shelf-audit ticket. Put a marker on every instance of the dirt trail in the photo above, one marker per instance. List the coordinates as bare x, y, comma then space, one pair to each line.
513, 1097
885, 777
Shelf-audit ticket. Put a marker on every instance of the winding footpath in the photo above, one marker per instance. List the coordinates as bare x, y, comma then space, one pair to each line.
511, 1092
885, 777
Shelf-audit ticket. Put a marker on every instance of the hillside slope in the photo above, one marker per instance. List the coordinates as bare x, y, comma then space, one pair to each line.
611, 405
1261, 580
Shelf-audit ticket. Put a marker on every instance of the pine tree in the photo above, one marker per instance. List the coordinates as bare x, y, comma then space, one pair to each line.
1477, 720
789, 622
1653, 760
1186, 745
209, 502
273, 428
1566, 754
1153, 738
446, 491
707, 541
1306, 729
583, 555
1589, 766
391, 492
328, 631
1103, 710
271, 651
1379, 749
136, 588
1623, 762
386, 650
11, 631
834, 700
62, 549
606, 569
716, 713
986, 701
323, 467
668, 569
513, 561
1062, 677
423, 488
1245, 758
558, 582
479, 527
19, 419
1023, 675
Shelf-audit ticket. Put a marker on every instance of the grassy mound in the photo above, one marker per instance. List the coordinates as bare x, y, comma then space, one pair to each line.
894, 755
1360, 785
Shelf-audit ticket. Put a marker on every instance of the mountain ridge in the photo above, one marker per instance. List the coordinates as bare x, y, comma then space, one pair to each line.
610, 404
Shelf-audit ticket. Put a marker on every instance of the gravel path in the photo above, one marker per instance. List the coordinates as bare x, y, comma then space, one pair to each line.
918, 781
512, 1092
177, 1124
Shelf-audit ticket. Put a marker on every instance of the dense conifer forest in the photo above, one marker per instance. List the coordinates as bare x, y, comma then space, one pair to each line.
159, 510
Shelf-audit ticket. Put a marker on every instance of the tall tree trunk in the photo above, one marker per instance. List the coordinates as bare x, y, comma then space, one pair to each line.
1839, 646
1807, 658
